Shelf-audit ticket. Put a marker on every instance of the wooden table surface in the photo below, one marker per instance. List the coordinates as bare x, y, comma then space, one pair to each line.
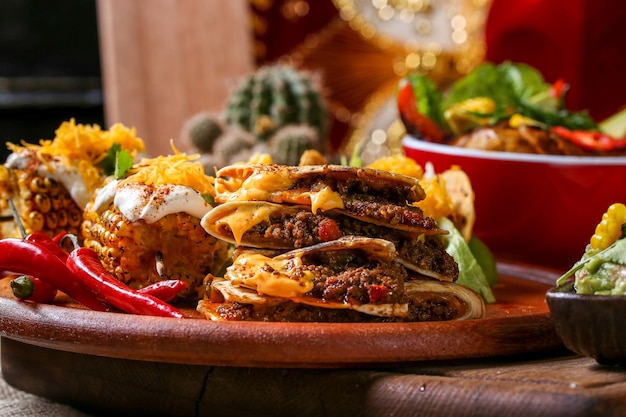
552, 384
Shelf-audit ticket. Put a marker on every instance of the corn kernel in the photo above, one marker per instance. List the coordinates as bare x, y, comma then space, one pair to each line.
38, 184
62, 219
42, 202
74, 217
36, 221
609, 229
57, 202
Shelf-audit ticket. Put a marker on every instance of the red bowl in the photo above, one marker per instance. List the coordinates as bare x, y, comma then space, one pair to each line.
539, 209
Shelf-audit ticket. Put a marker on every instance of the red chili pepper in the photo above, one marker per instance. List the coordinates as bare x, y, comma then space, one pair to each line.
590, 139
415, 122
559, 88
86, 266
29, 288
52, 244
165, 290
58, 239
30, 258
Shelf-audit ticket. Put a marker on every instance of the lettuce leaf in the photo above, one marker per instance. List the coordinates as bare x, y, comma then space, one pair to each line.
471, 274
487, 80
428, 97
516, 88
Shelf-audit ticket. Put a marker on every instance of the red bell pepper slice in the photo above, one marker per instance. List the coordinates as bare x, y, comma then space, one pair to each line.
417, 124
590, 139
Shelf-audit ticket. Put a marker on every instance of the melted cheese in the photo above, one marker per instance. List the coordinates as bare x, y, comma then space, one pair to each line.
244, 218
258, 186
275, 187
325, 199
270, 276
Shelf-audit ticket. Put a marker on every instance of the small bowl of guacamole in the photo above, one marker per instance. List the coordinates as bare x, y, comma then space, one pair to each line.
588, 304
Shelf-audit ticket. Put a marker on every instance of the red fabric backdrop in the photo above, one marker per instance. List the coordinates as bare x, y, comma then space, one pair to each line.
581, 41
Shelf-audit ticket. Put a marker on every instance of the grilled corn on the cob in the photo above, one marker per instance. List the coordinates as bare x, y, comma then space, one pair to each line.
140, 253
49, 183
42, 204
146, 227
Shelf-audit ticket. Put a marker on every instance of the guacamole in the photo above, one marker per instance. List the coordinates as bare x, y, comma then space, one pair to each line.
600, 272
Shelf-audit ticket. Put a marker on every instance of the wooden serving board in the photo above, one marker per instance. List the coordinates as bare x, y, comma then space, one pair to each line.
555, 384
519, 322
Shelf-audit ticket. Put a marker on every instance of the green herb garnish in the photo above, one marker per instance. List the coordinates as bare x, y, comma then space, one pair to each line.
123, 162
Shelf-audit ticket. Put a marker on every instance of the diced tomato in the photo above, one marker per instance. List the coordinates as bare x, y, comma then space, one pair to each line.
378, 293
411, 218
329, 230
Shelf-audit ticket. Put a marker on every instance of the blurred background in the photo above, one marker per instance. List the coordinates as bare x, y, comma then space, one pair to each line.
49, 67
152, 64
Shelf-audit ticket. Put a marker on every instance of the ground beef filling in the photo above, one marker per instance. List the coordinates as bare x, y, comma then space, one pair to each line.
350, 185
435, 306
350, 277
388, 204
306, 229
426, 307
429, 254
389, 213
292, 312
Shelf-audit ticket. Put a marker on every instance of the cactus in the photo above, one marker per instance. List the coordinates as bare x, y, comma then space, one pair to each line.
275, 96
202, 131
235, 145
290, 142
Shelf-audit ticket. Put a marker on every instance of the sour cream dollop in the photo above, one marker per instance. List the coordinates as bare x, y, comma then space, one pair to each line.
69, 178
149, 203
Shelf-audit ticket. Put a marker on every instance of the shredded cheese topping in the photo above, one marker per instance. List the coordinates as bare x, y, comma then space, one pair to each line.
438, 201
398, 164
176, 169
81, 147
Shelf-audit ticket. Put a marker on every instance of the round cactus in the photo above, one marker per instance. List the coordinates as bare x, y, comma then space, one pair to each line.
275, 96
202, 130
290, 142
235, 145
